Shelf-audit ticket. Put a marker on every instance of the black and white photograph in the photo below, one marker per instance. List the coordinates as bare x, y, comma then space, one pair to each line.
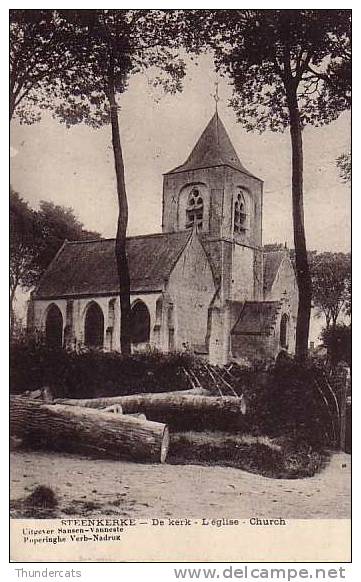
180, 285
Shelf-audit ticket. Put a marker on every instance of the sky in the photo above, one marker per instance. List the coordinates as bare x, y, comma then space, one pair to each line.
74, 167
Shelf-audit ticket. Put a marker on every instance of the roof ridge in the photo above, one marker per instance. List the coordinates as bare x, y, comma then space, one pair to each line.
98, 240
264, 301
87, 240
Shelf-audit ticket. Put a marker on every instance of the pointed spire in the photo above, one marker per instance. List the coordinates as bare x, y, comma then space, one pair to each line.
214, 148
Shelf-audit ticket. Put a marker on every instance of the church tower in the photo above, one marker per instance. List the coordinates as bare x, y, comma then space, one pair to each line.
214, 192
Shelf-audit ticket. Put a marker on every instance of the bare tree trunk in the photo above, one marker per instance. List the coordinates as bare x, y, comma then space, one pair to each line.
302, 267
328, 321
334, 317
120, 244
12, 311
11, 106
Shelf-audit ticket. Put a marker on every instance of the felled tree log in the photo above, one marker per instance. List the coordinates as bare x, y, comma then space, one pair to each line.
87, 431
181, 412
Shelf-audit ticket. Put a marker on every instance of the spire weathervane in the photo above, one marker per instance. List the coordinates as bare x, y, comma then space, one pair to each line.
216, 95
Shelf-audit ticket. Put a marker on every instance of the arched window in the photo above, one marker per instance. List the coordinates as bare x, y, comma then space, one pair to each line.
284, 331
54, 327
94, 326
240, 213
140, 323
194, 210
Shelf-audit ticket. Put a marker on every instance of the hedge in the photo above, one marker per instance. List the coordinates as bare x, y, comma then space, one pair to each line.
93, 373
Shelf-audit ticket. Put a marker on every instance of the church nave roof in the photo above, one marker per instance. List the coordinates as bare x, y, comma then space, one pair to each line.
89, 267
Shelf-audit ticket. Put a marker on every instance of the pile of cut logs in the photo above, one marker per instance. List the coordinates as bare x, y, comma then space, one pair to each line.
122, 427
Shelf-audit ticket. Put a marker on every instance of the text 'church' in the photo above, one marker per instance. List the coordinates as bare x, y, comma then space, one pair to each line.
204, 284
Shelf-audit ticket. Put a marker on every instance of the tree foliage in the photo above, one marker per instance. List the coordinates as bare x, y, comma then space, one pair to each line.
56, 224
111, 46
39, 53
338, 340
35, 238
264, 51
64, 60
24, 238
331, 278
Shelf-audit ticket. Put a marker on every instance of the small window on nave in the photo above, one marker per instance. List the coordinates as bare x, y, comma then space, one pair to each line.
240, 213
194, 210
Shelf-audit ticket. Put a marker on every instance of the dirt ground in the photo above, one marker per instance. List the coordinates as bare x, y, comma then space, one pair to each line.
100, 487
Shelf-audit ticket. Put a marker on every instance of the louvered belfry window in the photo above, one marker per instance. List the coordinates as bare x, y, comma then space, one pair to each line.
195, 210
240, 214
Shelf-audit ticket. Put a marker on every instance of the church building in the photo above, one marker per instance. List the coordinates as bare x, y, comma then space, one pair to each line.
205, 284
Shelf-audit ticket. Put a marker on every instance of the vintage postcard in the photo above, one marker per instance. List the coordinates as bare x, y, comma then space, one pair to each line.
180, 285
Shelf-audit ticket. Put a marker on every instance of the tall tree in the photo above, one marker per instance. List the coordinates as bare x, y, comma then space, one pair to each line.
331, 277
24, 237
289, 68
104, 48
